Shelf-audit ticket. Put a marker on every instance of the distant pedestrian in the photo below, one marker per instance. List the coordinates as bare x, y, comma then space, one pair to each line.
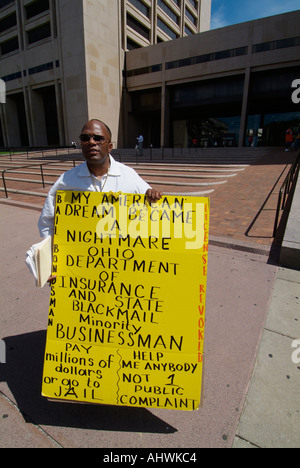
140, 140
289, 139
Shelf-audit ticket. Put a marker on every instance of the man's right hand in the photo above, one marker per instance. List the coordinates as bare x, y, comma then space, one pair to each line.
50, 279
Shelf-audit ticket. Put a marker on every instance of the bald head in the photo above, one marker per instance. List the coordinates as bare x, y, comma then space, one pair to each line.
97, 121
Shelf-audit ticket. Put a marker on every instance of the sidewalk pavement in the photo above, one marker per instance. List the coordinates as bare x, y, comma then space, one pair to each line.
271, 414
251, 384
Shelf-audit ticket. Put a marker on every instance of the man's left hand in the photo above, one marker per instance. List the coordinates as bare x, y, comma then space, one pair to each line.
153, 195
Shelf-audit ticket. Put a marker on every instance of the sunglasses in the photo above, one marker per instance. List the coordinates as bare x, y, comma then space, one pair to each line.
84, 137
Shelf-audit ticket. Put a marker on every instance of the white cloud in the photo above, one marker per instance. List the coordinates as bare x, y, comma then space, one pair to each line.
218, 19
226, 12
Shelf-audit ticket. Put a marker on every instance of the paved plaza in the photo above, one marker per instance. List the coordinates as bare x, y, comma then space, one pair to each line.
251, 381
242, 184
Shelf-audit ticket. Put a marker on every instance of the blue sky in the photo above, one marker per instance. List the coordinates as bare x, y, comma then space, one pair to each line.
227, 12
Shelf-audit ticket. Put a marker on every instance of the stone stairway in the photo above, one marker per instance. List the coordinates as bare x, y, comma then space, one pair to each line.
27, 177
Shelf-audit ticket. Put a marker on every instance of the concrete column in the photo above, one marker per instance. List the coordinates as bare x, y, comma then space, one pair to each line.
163, 114
12, 123
38, 118
3, 123
60, 114
243, 124
28, 116
244, 112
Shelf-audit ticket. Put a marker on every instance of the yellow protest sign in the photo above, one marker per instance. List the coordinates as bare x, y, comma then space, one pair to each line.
127, 309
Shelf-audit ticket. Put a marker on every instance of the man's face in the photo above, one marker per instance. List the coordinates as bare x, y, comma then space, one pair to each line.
95, 151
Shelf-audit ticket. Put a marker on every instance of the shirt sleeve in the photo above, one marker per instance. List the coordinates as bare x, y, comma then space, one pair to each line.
139, 185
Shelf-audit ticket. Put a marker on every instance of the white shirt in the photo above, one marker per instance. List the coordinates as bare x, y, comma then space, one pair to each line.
120, 178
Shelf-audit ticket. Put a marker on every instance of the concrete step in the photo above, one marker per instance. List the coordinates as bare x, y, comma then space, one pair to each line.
25, 192
32, 181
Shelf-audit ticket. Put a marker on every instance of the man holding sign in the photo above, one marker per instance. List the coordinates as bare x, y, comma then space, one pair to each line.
127, 306
99, 173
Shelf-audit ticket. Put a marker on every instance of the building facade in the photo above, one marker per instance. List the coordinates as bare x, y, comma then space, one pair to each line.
145, 66
149, 22
231, 86
63, 61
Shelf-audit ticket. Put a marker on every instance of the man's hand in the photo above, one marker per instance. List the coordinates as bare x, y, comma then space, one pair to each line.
153, 195
50, 279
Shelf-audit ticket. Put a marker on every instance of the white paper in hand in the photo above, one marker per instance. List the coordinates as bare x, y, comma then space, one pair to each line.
39, 261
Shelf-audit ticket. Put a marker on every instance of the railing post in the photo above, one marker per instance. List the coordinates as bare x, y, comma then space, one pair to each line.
42, 174
277, 213
4, 184
285, 190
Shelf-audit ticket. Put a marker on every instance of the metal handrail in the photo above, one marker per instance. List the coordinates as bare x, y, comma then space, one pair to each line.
40, 165
29, 150
285, 190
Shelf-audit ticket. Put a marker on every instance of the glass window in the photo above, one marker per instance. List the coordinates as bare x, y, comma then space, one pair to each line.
37, 7
273, 45
240, 51
290, 42
204, 58
144, 70
262, 47
188, 31
209, 93
194, 3
8, 22
4, 3
37, 34
141, 7
223, 54
275, 126
9, 46
166, 29
143, 101
168, 11
13, 76
131, 45
40, 68
191, 17
138, 27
